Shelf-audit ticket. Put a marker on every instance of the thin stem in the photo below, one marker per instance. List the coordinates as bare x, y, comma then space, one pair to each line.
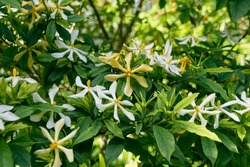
99, 19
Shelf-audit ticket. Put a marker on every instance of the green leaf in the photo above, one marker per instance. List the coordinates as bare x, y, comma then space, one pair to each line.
165, 141
65, 2
51, 31
23, 111
162, 3
185, 102
113, 127
75, 18
44, 107
89, 133
197, 129
5, 154
220, 4
238, 9
218, 70
21, 155
26, 89
101, 161
114, 149
209, 149
227, 142
81, 71
241, 131
12, 3
3, 87
45, 57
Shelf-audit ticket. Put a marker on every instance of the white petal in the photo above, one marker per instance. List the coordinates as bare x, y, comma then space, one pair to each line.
43, 152
103, 107
30, 80
1, 125
37, 98
68, 152
193, 43
4, 108
126, 103
79, 82
68, 107
57, 162
216, 122
52, 94
8, 116
203, 121
83, 58
127, 113
69, 136
50, 124
244, 96
46, 134
74, 34
242, 111
58, 126
53, 15
68, 8
61, 44
97, 99
15, 81
193, 117
37, 117
65, 17
185, 111
116, 114
60, 55
66, 118
81, 94
207, 100
229, 103
70, 57
112, 89
231, 115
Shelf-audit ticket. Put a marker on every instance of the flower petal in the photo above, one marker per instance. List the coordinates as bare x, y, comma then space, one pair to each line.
58, 126
142, 68
43, 152
203, 121
46, 134
113, 77
127, 113
37, 117
60, 54
1, 125
61, 44
116, 114
57, 161
112, 89
207, 100
50, 124
128, 90
66, 118
74, 34
115, 64
69, 136
185, 111
4, 108
68, 107
8, 116
52, 94
128, 59
68, 152
231, 115
37, 98
141, 80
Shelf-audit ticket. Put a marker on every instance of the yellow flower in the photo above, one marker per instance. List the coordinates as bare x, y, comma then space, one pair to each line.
109, 57
184, 62
129, 73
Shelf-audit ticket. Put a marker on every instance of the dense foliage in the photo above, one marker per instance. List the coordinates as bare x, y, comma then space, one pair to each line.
124, 83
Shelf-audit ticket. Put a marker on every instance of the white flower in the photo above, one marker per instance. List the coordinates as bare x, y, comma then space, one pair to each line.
116, 102
166, 60
245, 101
140, 48
57, 144
87, 89
50, 124
57, 8
15, 79
220, 108
199, 110
231, 35
71, 49
185, 40
6, 115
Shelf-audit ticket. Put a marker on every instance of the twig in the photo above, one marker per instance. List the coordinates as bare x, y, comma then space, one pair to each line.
99, 20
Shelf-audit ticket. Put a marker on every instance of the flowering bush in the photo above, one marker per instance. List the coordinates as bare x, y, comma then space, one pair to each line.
124, 83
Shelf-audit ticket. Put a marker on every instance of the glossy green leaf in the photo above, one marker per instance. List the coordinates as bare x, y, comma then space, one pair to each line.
20, 155
45, 57
113, 128
114, 149
237, 9
197, 129
220, 4
26, 89
185, 102
227, 142
12, 3
81, 71
165, 141
23, 111
89, 133
75, 18
5, 154
51, 31
209, 149
241, 131
44, 107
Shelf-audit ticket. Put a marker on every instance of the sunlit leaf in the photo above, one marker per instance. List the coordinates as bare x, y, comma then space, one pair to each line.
209, 149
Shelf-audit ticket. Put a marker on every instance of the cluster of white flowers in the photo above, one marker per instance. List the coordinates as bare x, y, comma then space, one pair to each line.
217, 109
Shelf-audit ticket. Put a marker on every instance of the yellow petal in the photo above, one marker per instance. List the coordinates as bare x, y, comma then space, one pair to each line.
128, 90
115, 64
141, 80
128, 59
143, 68
114, 77
20, 55
68, 152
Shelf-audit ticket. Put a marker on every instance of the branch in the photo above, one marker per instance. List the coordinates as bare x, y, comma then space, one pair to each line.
99, 20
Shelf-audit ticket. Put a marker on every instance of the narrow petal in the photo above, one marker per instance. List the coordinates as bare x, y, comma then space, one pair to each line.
103, 107
50, 124
112, 89
141, 80
4, 108
127, 113
68, 152
207, 100
69, 136
37, 98
97, 99
74, 34
70, 57
185, 111
193, 43
114, 77
229, 103
68, 107
81, 57
81, 94
43, 152
58, 126
203, 121
1, 125
46, 134
15, 80
128, 90
116, 114
128, 59
216, 121
8, 116
126, 103
242, 111
231, 115
30, 80
57, 161
115, 64
61, 44
37, 117
60, 54
142, 68
64, 16
66, 118
244, 96
193, 117
79, 82
52, 94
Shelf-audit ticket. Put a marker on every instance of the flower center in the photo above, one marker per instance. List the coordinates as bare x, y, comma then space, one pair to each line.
218, 104
14, 72
118, 99
53, 145
128, 73
88, 84
196, 108
142, 46
169, 60
184, 62
54, 103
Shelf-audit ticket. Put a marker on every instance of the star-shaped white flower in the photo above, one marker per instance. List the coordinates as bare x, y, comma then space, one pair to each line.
6, 115
57, 144
244, 101
199, 110
15, 79
166, 60
192, 38
88, 88
231, 35
140, 48
116, 102
58, 8
220, 108
71, 48
50, 124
